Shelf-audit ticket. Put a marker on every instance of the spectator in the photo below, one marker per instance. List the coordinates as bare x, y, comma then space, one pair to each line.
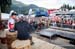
11, 22
1, 26
73, 24
24, 30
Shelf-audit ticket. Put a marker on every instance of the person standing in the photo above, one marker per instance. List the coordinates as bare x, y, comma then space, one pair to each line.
24, 29
11, 22
73, 24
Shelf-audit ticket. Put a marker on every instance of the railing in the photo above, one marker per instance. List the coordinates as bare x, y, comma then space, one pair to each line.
64, 25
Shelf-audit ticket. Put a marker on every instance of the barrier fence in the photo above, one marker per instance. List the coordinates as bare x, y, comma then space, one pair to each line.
63, 25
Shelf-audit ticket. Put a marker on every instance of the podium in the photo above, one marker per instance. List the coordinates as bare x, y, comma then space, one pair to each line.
21, 44
11, 36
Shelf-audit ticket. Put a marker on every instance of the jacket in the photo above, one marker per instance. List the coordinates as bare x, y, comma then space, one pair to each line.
23, 29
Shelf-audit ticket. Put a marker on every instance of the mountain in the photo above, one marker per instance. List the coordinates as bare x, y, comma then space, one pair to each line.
18, 3
32, 6
20, 7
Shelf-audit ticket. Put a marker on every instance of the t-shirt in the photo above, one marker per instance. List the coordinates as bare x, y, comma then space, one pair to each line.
11, 23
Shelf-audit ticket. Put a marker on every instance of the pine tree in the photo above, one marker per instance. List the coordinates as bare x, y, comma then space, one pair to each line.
73, 7
5, 4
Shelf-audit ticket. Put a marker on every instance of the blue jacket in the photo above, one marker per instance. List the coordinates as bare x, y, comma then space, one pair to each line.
23, 29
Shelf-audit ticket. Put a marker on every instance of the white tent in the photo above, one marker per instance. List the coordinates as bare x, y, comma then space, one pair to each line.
72, 11
5, 16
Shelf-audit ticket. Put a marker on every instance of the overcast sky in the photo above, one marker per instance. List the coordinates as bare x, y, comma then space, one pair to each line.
49, 4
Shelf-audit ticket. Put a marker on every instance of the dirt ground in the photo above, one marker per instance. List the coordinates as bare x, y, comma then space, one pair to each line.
57, 41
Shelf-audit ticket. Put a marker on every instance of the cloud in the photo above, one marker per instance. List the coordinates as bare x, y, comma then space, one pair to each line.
48, 3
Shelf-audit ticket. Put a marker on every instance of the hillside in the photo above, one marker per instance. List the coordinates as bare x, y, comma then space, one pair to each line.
20, 7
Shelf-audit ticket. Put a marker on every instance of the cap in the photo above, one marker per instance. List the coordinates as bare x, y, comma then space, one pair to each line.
14, 13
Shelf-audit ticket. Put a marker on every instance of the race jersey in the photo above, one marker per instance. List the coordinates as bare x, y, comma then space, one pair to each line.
11, 23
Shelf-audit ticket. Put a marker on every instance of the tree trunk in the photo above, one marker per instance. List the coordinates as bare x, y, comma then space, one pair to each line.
0, 13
